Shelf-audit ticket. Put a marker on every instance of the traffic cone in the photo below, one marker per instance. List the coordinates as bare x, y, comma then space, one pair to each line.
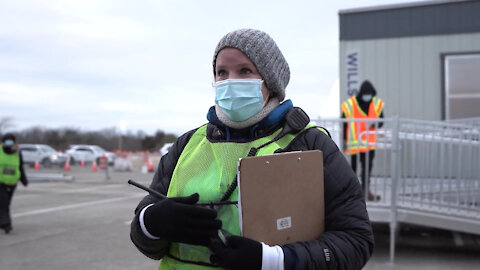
94, 165
37, 165
67, 164
82, 163
150, 165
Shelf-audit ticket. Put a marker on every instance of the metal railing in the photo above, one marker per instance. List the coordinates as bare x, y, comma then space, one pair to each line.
424, 172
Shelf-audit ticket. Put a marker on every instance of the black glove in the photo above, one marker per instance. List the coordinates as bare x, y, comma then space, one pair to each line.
24, 181
179, 220
240, 253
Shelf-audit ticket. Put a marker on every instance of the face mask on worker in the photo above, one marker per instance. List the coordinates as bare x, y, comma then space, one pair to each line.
239, 99
8, 146
367, 98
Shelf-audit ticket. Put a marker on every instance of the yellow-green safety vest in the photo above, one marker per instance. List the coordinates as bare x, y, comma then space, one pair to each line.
208, 168
9, 168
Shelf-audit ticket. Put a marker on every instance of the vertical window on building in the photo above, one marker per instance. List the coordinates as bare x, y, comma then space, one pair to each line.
462, 86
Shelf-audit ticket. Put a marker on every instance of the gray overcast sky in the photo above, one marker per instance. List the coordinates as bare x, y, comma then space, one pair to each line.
146, 65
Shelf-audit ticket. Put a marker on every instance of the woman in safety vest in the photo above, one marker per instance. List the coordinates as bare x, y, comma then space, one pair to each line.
11, 170
250, 117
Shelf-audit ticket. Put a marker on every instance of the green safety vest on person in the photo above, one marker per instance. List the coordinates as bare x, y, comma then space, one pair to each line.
208, 168
9, 168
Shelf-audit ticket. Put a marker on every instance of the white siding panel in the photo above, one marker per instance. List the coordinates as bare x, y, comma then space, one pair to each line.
409, 96
416, 79
432, 80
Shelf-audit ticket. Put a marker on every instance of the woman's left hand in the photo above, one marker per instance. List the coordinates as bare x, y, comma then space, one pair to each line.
240, 253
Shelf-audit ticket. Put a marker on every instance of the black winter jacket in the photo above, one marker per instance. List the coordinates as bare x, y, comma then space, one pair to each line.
347, 243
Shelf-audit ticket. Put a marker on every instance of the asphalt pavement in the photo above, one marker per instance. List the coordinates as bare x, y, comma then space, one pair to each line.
81, 221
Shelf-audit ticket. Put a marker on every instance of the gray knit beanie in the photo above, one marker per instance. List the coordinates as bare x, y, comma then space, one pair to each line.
262, 50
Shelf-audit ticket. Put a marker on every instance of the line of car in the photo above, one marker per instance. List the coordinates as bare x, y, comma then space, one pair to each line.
46, 156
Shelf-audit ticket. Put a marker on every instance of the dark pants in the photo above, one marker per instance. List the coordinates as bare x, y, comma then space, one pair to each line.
6, 194
362, 157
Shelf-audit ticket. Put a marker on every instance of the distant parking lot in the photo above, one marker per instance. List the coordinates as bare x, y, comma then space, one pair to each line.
82, 222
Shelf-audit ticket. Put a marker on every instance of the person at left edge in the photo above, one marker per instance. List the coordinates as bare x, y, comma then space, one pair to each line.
11, 170
250, 76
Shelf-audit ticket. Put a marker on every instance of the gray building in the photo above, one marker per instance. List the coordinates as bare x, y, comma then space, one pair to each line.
423, 57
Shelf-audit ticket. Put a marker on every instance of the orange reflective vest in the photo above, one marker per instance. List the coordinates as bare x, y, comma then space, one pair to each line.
358, 137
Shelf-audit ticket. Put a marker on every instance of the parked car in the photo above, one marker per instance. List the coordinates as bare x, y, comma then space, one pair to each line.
44, 154
87, 153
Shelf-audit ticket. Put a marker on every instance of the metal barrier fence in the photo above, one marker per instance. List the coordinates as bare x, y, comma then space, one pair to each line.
474, 121
424, 172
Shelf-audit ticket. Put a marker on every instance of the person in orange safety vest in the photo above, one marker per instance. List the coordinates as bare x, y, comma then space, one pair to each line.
359, 136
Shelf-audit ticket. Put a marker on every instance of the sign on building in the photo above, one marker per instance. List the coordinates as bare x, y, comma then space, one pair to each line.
352, 72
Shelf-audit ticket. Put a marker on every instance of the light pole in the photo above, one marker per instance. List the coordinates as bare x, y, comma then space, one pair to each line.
122, 126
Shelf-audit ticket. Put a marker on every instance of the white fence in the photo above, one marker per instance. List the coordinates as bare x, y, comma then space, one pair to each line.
426, 173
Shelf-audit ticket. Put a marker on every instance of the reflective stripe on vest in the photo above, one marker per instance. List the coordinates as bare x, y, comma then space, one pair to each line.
9, 168
208, 168
358, 136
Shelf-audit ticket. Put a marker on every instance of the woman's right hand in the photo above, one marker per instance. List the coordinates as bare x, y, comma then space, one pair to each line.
178, 219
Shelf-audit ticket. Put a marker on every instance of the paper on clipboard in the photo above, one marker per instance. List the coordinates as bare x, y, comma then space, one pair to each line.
281, 197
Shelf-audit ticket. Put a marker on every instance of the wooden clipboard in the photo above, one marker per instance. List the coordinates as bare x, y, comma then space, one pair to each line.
281, 197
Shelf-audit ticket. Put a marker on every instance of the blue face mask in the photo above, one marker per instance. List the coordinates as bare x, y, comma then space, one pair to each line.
239, 99
8, 143
367, 98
